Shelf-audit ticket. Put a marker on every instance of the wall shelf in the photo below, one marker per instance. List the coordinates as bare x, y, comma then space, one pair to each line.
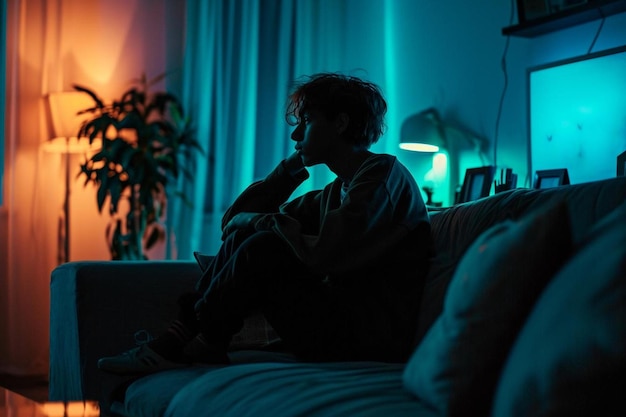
576, 15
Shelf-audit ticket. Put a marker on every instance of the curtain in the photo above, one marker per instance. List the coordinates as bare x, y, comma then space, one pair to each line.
50, 45
241, 58
3, 42
29, 252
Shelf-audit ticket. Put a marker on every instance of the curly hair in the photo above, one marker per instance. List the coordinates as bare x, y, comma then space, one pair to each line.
332, 94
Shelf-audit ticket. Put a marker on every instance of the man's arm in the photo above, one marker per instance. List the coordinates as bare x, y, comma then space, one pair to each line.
265, 196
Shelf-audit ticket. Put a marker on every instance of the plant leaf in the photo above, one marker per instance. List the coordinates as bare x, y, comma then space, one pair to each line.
96, 99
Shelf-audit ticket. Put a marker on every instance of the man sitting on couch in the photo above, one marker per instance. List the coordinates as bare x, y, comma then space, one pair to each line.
336, 271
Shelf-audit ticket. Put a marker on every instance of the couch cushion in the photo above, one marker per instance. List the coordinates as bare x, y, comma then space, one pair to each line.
580, 323
455, 368
275, 389
455, 229
151, 395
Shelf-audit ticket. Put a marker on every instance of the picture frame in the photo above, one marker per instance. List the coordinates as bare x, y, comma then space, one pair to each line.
476, 184
550, 178
621, 164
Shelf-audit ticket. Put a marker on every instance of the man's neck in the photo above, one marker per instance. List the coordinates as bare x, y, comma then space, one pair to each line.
346, 165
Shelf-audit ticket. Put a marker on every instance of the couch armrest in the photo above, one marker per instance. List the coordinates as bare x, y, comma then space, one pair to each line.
96, 307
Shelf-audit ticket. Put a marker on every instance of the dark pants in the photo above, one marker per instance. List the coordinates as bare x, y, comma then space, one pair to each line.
317, 320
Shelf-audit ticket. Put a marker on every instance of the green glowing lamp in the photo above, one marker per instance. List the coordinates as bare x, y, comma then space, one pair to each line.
423, 132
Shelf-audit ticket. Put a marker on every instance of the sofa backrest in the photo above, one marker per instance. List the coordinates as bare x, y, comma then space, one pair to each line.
454, 229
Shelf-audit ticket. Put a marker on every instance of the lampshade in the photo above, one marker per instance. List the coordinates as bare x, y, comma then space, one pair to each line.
66, 122
423, 132
70, 145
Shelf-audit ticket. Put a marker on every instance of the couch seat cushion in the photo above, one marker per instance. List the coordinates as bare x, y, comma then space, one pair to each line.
275, 389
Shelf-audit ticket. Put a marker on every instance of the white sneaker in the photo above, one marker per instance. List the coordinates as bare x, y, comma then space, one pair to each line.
138, 361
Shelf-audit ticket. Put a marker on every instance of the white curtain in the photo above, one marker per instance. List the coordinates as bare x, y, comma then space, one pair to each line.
30, 252
241, 58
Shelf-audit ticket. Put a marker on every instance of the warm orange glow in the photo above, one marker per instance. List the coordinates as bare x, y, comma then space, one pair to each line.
70, 145
102, 44
95, 165
129, 135
13, 404
52, 45
64, 107
71, 409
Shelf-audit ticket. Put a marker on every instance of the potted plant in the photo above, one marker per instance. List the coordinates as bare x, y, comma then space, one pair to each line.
146, 144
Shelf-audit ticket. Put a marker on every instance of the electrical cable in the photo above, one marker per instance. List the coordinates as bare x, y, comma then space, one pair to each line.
597, 33
504, 88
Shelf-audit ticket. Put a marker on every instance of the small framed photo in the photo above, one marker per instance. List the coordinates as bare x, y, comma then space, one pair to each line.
621, 164
549, 178
532, 9
476, 184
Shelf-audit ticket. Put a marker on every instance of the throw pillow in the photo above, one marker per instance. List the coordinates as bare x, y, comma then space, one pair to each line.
455, 368
570, 356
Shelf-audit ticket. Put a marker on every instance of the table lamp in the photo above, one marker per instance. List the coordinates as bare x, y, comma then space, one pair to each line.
423, 132
427, 132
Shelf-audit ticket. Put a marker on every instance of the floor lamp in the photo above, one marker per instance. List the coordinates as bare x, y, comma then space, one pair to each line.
64, 108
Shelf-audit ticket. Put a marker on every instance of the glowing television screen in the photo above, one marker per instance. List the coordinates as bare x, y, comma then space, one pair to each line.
577, 115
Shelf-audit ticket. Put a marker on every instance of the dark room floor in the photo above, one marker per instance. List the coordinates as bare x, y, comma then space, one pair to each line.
32, 387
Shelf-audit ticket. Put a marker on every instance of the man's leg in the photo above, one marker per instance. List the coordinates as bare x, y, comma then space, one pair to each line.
168, 349
184, 329
240, 285
318, 320
310, 317
224, 254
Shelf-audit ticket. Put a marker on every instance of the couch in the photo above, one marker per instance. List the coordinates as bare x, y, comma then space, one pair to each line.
523, 313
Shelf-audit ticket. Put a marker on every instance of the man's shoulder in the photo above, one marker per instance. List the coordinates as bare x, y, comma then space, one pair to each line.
380, 161
386, 164
382, 158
